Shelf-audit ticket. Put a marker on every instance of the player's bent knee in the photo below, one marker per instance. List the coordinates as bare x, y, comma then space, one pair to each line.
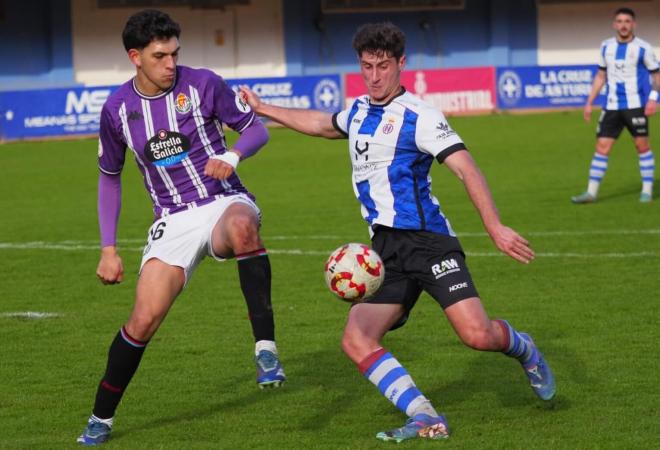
243, 232
142, 327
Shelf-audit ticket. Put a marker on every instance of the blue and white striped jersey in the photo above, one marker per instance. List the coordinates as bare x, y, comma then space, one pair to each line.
628, 65
392, 147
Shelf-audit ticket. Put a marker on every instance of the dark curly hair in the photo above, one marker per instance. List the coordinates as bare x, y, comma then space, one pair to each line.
381, 39
147, 25
626, 11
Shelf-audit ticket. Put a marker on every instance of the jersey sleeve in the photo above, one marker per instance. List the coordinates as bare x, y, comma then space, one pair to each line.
229, 107
112, 147
649, 60
435, 136
602, 64
340, 121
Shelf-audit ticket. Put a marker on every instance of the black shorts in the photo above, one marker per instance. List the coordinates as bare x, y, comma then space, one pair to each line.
612, 122
417, 261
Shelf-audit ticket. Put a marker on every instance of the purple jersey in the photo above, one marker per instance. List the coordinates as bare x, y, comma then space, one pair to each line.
172, 135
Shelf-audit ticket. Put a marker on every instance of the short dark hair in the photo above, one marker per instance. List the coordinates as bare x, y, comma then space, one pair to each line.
147, 25
626, 11
380, 38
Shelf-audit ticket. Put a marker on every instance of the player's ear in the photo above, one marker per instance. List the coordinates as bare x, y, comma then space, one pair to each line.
402, 62
135, 57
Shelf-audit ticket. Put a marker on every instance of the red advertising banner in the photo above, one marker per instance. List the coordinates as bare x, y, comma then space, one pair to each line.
452, 91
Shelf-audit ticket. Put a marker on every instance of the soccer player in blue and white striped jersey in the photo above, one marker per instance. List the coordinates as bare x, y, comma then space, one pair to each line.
624, 66
393, 139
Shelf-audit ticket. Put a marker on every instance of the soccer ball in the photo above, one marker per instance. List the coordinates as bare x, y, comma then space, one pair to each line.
354, 272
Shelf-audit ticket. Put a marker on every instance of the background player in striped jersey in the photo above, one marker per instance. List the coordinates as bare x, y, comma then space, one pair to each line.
393, 139
170, 117
624, 66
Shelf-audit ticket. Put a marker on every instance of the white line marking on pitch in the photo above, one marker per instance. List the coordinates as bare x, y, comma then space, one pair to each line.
29, 315
74, 246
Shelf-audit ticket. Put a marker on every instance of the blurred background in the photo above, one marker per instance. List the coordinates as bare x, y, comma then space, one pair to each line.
464, 56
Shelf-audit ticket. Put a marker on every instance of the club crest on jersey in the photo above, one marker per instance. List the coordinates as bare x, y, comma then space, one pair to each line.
182, 103
167, 148
388, 128
241, 104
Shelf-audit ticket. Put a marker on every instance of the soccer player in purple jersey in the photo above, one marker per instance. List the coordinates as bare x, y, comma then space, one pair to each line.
401, 136
170, 118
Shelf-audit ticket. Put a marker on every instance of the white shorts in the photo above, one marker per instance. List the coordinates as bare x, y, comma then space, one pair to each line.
184, 239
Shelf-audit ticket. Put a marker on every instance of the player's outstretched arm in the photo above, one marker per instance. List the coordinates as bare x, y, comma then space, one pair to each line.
597, 85
505, 238
307, 121
110, 269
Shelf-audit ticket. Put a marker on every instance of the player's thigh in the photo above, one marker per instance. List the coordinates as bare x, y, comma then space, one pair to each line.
157, 288
235, 228
370, 321
610, 124
468, 316
398, 287
437, 262
179, 239
636, 122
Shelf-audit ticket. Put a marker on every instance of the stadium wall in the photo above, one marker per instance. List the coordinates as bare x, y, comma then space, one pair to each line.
571, 32
485, 33
241, 41
35, 49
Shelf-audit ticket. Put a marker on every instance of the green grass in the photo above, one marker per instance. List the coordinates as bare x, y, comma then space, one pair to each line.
590, 300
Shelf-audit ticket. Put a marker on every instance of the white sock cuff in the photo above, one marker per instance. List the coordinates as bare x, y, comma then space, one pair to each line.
265, 345
108, 422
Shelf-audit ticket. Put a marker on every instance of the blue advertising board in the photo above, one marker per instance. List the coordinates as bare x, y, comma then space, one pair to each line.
77, 111
545, 86
51, 112
320, 92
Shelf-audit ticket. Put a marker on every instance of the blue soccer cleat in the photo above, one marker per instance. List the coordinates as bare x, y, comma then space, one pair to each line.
95, 433
539, 374
419, 426
269, 370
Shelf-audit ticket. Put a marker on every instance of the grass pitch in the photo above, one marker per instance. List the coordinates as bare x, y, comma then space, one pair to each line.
590, 300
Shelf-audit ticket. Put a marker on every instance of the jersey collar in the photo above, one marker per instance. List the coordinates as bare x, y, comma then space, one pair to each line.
162, 94
382, 105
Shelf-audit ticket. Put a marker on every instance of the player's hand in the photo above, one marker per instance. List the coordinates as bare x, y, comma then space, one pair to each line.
222, 166
512, 244
250, 97
651, 108
110, 269
587, 113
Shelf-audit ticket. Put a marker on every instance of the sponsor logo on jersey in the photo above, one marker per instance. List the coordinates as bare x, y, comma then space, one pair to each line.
445, 130
167, 148
458, 286
182, 103
446, 267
